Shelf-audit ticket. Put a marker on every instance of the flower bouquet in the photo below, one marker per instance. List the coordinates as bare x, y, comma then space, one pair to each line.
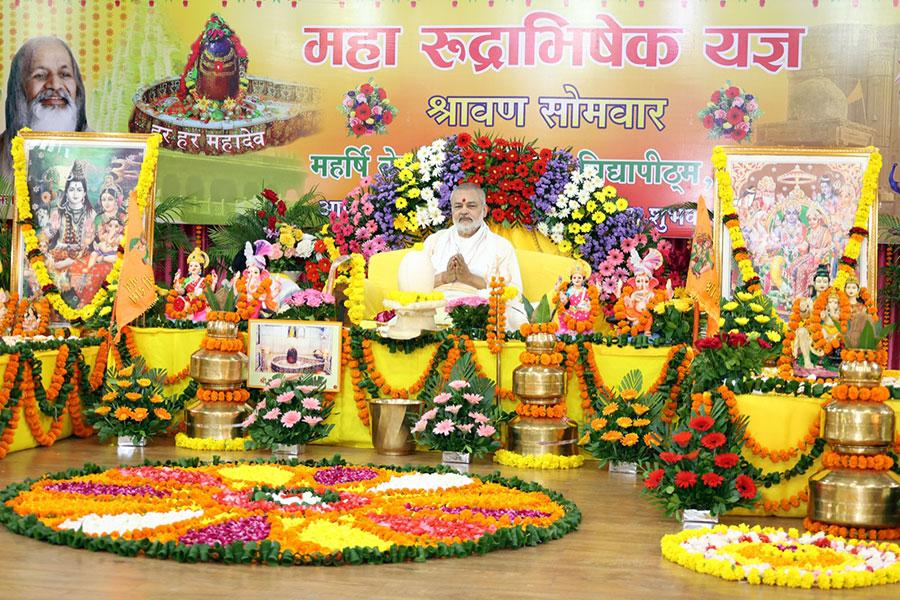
309, 305
469, 314
726, 356
292, 411
730, 113
673, 320
753, 314
699, 466
623, 430
368, 110
461, 415
133, 406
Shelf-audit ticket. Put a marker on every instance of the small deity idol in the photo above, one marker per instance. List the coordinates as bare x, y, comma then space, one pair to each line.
852, 289
30, 321
643, 287
831, 318
576, 305
256, 287
821, 280
802, 347
189, 291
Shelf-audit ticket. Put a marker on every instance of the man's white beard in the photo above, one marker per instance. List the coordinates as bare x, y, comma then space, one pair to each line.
53, 118
467, 229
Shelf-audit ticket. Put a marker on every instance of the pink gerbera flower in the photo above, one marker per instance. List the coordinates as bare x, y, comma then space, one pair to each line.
615, 256
442, 398
290, 418
485, 430
430, 414
459, 384
478, 417
605, 269
285, 397
467, 428
272, 414
473, 398
453, 409
419, 427
310, 403
628, 244
444, 427
312, 421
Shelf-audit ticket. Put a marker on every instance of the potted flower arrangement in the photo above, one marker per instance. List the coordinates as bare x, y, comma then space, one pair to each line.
753, 314
469, 314
309, 305
622, 432
673, 320
291, 413
367, 110
133, 409
698, 471
730, 113
727, 356
461, 418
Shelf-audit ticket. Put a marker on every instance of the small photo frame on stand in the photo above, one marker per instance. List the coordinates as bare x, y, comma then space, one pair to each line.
283, 348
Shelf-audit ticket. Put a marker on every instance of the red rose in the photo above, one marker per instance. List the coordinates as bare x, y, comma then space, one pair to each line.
738, 134
270, 196
709, 343
685, 479
653, 479
179, 303
382, 93
497, 215
726, 461
272, 221
387, 117
701, 423
359, 129
484, 142
745, 487
682, 438
737, 339
261, 214
708, 121
463, 140
763, 344
363, 112
734, 115
366, 88
712, 480
716, 96
732, 92
282, 208
670, 457
713, 440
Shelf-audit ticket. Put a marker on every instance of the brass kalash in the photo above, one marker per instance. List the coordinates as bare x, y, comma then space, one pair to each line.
540, 384
218, 371
857, 498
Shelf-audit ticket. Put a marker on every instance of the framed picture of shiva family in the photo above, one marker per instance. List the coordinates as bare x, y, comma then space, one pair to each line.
795, 209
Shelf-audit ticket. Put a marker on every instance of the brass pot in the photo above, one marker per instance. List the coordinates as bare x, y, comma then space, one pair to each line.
539, 384
215, 420
855, 498
222, 329
391, 424
859, 427
528, 435
861, 373
217, 370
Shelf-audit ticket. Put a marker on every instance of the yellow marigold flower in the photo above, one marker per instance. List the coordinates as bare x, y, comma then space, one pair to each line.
109, 396
126, 372
574, 228
611, 436
610, 408
773, 336
630, 439
598, 217
579, 239
591, 205
123, 383
102, 410
730, 305
162, 414
565, 246
122, 413
741, 320
639, 408
134, 396
413, 193
586, 227
624, 422
598, 424
577, 214
762, 319
400, 202
144, 382
139, 414
641, 422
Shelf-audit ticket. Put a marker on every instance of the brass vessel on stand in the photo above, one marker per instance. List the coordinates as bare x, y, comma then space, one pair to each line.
857, 498
541, 384
218, 371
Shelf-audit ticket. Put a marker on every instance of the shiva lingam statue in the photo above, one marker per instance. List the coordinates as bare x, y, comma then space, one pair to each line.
857, 491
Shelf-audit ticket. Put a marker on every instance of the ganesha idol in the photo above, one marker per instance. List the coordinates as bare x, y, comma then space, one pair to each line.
187, 298
257, 289
640, 293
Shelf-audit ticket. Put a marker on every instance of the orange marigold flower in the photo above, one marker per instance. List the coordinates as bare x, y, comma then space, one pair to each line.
144, 382
610, 408
623, 422
102, 410
139, 414
126, 372
611, 436
156, 399
641, 422
598, 424
630, 439
639, 408
122, 413
123, 383
109, 396
133, 395
651, 439
629, 394
162, 414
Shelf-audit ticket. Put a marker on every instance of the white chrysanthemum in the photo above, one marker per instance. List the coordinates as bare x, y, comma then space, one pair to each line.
94, 524
424, 481
570, 188
543, 228
427, 194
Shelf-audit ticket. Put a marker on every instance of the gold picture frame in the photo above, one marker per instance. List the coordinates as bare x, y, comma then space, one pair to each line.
78, 247
779, 191
316, 349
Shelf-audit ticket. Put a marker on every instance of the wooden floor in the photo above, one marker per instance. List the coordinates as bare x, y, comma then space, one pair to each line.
614, 554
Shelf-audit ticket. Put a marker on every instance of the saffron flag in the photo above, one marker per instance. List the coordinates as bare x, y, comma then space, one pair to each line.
703, 274
137, 288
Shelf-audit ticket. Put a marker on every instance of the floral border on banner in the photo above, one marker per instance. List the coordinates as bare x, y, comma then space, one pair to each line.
141, 195
858, 232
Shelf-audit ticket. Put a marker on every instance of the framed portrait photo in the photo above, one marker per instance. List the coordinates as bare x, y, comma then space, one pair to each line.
795, 209
78, 189
281, 347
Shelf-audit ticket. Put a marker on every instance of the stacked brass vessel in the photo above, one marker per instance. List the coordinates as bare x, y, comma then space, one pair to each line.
857, 498
218, 371
541, 384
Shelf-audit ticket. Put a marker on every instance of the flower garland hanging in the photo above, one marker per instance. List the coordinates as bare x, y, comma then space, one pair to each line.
356, 288
817, 328
858, 232
141, 195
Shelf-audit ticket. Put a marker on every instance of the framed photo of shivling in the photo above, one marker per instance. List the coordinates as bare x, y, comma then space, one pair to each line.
794, 222
280, 348
72, 195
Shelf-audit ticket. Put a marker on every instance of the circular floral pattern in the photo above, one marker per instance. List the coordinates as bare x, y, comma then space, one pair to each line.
783, 558
285, 512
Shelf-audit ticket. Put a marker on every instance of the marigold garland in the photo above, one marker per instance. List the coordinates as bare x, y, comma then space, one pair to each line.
9, 315
681, 370
554, 358
231, 346
816, 329
218, 315
785, 504
194, 306
537, 461
858, 533
542, 411
238, 396
879, 356
141, 195
527, 329
852, 393
192, 443
496, 327
878, 462
249, 308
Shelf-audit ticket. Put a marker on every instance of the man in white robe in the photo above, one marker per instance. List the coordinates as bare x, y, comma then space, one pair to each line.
463, 258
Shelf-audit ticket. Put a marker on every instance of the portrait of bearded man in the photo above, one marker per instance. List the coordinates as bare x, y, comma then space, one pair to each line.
44, 92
